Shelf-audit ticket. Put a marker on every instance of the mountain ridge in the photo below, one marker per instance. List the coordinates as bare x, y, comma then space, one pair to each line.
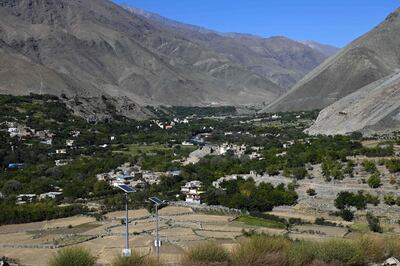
95, 48
278, 58
372, 109
367, 59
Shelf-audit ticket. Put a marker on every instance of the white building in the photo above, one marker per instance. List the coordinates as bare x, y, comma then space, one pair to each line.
51, 195
193, 191
61, 151
69, 142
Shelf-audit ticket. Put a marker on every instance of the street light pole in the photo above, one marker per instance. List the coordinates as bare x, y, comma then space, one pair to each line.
157, 239
157, 202
126, 252
126, 223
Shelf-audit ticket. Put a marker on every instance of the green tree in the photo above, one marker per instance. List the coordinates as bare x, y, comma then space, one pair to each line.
346, 215
12, 187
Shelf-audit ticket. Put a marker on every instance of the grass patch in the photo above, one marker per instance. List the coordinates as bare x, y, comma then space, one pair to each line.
135, 260
360, 227
73, 257
260, 222
209, 253
262, 250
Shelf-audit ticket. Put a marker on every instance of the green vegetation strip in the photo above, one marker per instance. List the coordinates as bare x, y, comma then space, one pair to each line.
260, 222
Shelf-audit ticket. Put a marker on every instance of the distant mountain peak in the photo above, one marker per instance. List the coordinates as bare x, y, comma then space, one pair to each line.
277, 58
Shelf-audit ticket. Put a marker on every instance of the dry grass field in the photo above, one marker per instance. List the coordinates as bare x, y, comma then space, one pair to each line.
180, 228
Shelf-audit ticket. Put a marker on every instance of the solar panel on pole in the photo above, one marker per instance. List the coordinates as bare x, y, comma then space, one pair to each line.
156, 200
126, 188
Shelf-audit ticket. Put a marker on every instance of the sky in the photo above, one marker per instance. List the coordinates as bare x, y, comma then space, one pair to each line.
335, 22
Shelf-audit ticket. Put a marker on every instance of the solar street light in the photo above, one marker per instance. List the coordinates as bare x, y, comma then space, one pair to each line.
126, 252
157, 202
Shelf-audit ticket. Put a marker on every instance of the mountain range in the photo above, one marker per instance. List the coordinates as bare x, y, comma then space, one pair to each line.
280, 59
357, 88
369, 58
94, 48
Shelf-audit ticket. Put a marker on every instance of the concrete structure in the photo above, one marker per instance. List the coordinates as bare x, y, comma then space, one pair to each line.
193, 191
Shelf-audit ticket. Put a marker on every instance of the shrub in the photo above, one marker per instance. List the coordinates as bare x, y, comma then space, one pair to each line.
311, 192
73, 256
369, 166
374, 181
389, 199
255, 250
346, 215
135, 260
206, 253
301, 253
393, 165
373, 223
337, 251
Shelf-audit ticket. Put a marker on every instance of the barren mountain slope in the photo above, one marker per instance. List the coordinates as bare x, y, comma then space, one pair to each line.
279, 59
373, 108
367, 59
94, 48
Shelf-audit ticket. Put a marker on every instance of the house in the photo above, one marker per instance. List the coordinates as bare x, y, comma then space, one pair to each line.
62, 162
69, 142
174, 173
186, 143
75, 133
51, 195
25, 198
193, 191
15, 166
255, 156
122, 180
61, 151
13, 131
47, 141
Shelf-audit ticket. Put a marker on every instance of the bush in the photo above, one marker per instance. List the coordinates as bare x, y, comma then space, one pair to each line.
371, 199
389, 199
209, 252
342, 251
311, 192
373, 223
347, 199
135, 260
374, 181
346, 215
393, 165
369, 166
273, 250
73, 256
255, 251
301, 253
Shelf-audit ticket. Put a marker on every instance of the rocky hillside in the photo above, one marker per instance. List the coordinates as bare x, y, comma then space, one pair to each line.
279, 59
369, 58
374, 108
92, 48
